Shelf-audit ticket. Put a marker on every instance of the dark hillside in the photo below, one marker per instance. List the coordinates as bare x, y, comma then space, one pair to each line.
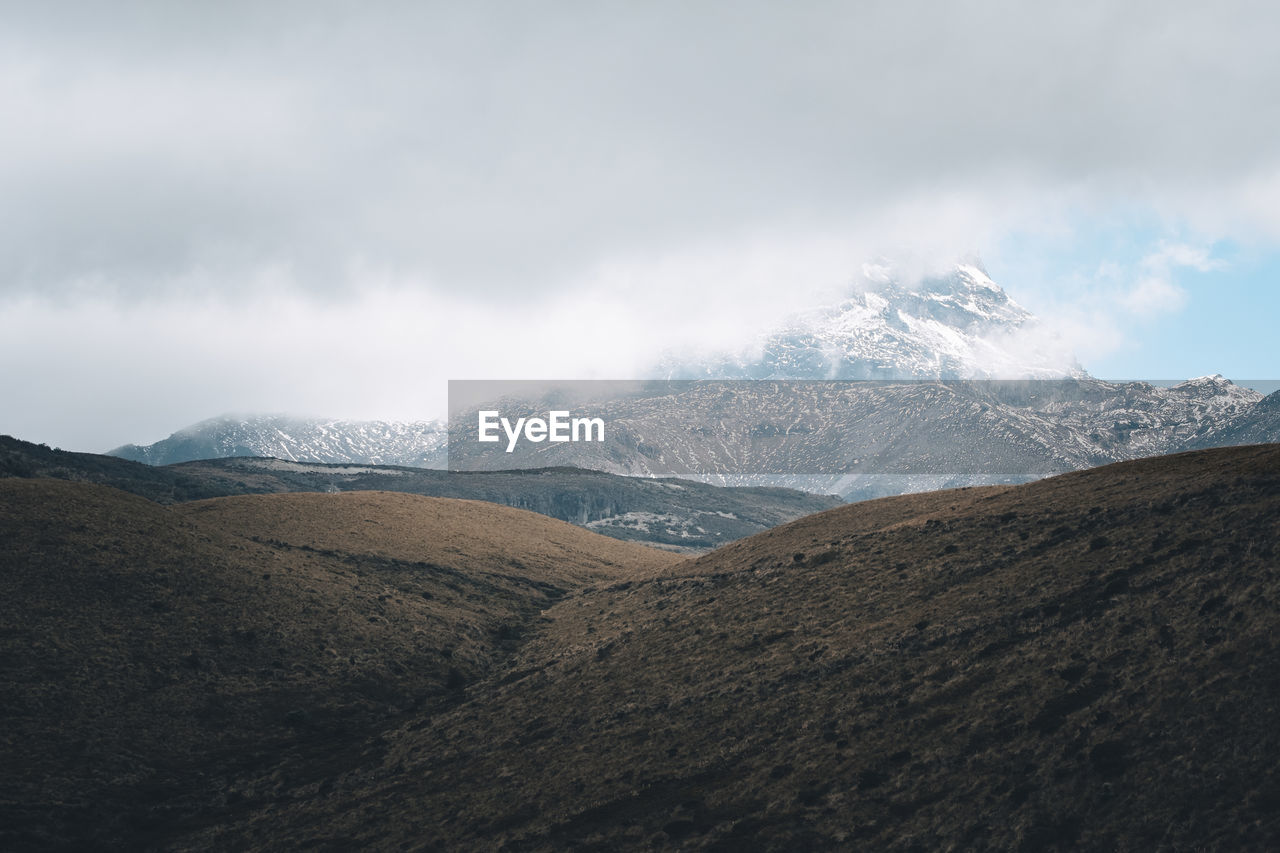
163, 485
1086, 662
160, 667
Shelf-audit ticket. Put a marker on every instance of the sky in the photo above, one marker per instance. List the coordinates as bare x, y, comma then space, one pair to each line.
333, 208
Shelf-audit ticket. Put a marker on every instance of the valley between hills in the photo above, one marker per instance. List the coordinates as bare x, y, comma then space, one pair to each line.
1088, 661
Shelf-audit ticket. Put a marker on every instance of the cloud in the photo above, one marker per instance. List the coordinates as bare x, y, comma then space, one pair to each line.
503, 149
1172, 255
1152, 296
1155, 292
631, 174
1109, 309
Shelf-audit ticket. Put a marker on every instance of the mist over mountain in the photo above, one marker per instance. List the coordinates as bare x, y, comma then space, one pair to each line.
963, 387
954, 325
857, 441
958, 324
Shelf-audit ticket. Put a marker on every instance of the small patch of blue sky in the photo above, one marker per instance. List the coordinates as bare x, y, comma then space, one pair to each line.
1140, 298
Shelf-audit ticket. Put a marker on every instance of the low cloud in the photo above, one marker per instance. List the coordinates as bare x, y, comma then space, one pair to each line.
1109, 309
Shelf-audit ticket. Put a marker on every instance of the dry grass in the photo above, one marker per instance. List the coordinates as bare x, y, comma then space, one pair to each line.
1088, 662
462, 534
154, 660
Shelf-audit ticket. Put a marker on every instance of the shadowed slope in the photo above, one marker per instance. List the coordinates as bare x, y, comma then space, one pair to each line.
164, 485
1085, 662
161, 666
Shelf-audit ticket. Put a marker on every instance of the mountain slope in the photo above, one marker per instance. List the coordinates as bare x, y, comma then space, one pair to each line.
418, 444
164, 485
469, 535
1256, 425
155, 661
668, 512
674, 513
1086, 662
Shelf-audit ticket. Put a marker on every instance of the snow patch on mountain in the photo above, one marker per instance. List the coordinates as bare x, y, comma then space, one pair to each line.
419, 444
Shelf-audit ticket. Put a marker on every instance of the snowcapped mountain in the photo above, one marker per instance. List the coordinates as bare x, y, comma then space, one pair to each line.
958, 325
420, 444
956, 331
1258, 424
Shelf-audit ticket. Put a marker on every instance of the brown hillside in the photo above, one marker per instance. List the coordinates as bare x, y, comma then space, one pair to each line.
403, 527
1087, 662
162, 665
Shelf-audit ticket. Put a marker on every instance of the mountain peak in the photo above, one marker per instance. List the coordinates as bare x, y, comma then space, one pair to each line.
954, 324
1216, 380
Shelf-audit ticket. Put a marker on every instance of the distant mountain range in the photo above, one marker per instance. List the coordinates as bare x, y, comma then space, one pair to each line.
956, 325
866, 439
419, 444
901, 433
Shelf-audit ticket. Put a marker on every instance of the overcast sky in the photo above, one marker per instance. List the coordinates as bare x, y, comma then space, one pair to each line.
332, 208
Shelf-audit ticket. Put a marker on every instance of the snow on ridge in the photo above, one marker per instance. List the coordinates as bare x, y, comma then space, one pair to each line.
300, 440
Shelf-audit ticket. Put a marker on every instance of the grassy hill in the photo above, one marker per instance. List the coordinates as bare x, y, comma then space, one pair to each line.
677, 514
151, 657
1084, 662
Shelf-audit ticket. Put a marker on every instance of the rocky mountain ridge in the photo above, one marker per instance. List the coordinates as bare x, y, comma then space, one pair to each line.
866, 439
419, 444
